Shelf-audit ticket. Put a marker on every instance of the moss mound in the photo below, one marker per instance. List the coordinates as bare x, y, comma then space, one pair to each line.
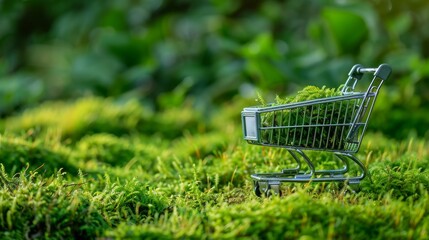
80, 118
16, 153
74, 120
53, 207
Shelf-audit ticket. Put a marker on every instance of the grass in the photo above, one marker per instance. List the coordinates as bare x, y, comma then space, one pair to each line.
126, 172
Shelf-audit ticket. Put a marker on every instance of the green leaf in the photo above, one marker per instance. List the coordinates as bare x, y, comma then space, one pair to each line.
347, 29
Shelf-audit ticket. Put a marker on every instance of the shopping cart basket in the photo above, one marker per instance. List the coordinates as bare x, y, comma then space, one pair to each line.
333, 124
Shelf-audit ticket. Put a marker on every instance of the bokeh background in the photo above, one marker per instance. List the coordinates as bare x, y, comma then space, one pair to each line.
210, 53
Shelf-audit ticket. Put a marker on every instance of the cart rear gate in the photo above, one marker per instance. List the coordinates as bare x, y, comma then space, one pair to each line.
334, 124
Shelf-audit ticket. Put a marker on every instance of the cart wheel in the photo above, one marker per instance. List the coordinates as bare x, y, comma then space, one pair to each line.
256, 189
273, 189
267, 191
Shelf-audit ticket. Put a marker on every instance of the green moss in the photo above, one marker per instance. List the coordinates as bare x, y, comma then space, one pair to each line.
300, 132
105, 148
16, 153
52, 207
299, 214
82, 117
179, 224
174, 122
398, 178
74, 120
177, 178
109, 150
200, 146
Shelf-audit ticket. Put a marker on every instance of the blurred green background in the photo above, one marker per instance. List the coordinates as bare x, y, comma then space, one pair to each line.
210, 53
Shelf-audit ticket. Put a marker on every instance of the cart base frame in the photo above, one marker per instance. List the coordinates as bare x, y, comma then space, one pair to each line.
269, 183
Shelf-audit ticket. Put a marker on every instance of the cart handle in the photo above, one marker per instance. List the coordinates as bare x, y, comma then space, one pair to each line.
383, 71
356, 73
380, 75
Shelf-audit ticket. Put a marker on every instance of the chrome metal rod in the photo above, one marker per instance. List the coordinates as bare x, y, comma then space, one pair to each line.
365, 70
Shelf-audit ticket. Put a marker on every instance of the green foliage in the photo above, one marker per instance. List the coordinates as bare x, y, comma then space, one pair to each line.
310, 93
340, 21
211, 51
30, 90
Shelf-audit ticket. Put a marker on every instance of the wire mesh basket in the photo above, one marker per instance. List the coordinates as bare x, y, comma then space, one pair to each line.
332, 124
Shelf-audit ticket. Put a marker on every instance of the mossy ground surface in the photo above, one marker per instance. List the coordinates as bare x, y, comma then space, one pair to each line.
95, 168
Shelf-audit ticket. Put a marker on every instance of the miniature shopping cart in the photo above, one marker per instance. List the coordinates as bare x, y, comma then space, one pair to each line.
333, 124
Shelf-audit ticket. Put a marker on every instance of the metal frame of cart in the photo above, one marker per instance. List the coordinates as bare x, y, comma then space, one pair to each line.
334, 124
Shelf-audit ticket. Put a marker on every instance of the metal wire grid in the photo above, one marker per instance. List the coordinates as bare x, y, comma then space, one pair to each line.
332, 124
310, 126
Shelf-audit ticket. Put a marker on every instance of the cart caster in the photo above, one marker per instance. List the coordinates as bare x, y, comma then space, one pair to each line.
256, 189
267, 189
273, 190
